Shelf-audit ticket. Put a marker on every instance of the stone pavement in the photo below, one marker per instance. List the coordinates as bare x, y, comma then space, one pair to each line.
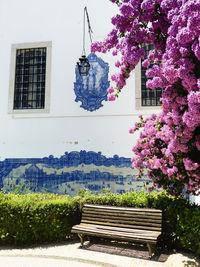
70, 255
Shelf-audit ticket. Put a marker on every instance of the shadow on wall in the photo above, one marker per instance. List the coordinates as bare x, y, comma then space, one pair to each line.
69, 173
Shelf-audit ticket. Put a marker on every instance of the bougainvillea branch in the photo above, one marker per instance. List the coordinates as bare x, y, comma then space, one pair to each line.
169, 144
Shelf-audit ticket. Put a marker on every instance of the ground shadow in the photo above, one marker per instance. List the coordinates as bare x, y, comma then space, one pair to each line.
192, 261
189, 263
125, 249
40, 245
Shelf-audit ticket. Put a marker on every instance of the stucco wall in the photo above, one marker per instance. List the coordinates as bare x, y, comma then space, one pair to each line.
66, 127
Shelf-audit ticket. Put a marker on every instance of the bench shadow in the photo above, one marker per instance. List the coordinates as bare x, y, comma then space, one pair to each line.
127, 249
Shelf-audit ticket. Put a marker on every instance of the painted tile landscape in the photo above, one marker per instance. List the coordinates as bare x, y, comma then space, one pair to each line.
70, 173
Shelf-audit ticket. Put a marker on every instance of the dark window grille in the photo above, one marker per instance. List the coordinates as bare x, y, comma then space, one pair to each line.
149, 97
30, 75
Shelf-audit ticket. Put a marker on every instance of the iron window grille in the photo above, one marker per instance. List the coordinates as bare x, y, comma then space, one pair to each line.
149, 97
30, 76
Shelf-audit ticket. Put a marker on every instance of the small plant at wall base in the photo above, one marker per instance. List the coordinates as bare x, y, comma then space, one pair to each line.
169, 144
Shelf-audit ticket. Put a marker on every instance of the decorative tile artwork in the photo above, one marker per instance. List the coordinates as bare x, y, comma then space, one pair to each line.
91, 90
69, 173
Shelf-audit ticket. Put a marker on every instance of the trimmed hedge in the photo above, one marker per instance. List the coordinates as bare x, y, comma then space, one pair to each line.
34, 218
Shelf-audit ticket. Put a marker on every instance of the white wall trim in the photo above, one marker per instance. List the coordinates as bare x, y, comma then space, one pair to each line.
14, 47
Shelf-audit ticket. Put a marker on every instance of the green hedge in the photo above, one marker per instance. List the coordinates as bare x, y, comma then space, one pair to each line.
35, 218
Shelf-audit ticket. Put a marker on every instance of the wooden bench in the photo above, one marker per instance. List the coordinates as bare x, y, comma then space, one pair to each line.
128, 224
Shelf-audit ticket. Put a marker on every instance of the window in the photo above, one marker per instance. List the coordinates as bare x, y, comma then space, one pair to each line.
30, 75
29, 92
145, 97
149, 97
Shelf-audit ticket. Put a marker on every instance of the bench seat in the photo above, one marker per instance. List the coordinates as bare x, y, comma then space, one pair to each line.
116, 232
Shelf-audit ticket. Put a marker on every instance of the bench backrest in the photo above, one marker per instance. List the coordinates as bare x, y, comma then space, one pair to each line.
136, 218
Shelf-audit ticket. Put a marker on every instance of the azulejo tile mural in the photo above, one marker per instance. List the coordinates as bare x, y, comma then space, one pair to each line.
91, 90
69, 173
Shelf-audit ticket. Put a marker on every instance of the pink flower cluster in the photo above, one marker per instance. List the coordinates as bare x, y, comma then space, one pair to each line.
169, 144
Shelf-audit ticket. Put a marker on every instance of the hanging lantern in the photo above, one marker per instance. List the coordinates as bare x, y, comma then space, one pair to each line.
83, 66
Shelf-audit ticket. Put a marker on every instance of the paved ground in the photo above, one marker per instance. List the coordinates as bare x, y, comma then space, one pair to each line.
69, 254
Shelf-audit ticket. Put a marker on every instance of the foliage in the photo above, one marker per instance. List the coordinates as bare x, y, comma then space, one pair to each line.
35, 218
22, 188
32, 218
169, 145
187, 229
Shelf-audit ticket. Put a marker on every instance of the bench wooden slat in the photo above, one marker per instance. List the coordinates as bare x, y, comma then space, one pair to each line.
131, 232
138, 215
121, 208
125, 236
136, 219
148, 232
118, 235
126, 226
131, 213
118, 220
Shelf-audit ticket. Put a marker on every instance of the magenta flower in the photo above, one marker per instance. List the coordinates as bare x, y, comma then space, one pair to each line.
111, 97
110, 90
189, 164
145, 63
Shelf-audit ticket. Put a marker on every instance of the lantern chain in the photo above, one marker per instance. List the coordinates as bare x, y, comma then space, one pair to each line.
89, 29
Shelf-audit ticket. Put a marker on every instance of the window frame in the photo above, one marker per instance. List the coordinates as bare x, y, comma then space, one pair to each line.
138, 91
14, 48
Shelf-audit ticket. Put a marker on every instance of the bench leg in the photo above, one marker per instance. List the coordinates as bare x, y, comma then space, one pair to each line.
150, 250
81, 236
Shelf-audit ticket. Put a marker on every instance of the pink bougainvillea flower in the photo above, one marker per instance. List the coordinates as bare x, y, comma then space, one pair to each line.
169, 143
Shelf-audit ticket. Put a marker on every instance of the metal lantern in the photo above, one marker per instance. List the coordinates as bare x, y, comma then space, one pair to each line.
83, 66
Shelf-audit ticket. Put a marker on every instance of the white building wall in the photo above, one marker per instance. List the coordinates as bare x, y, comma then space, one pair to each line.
66, 127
